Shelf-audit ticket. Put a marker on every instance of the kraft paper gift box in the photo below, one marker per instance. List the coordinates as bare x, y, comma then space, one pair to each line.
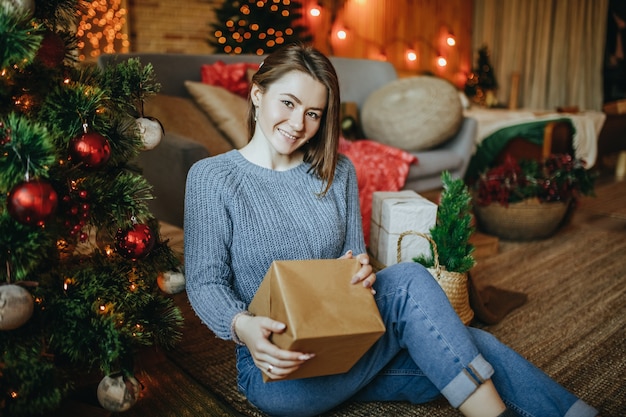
394, 212
325, 314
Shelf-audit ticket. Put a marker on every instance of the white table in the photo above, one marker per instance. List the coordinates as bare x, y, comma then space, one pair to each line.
587, 124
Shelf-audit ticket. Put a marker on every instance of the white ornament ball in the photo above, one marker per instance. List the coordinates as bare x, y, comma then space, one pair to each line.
151, 132
16, 306
19, 6
118, 393
171, 282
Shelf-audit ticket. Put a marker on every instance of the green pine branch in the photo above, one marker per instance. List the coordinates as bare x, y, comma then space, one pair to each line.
28, 150
42, 388
129, 84
57, 13
19, 40
453, 228
69, 107
24, 248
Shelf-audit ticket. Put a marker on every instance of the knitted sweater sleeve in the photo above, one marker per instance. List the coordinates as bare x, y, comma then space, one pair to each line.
208, 235
354, 225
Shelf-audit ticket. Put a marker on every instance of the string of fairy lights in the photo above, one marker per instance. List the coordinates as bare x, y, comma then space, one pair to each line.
101, 29
343, 33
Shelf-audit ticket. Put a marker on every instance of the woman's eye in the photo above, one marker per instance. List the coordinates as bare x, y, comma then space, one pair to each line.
287, 103
314, 116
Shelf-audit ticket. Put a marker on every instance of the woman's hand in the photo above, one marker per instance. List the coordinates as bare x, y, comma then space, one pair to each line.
276, 363
366, 274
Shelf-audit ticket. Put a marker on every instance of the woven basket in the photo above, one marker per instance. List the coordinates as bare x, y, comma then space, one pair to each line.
526, 220
454, 284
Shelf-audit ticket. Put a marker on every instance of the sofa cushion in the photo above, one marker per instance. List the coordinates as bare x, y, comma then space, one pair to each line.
227, 110
182, 116
233, 77
413, 114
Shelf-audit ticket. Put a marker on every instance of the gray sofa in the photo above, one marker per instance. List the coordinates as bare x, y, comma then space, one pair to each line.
189, 139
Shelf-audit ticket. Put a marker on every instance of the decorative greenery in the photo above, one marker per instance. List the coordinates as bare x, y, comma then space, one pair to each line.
93, 307
453, 228
481, 82
559, 177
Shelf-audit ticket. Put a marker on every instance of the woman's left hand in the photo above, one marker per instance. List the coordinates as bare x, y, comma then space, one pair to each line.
366, 274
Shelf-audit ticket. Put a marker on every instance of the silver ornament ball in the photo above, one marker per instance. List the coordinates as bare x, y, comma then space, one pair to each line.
171, 282
118, 393
151, 132
16, 306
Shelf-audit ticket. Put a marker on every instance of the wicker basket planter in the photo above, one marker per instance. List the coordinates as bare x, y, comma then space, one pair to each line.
526, 220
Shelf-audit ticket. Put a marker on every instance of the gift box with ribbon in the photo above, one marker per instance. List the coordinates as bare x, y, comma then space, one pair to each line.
394, 212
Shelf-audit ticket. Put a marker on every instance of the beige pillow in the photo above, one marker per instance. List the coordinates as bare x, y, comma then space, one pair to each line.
227, 110
413, 113
182, 116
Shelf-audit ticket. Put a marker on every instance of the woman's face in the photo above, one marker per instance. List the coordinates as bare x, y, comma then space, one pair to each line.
290, 111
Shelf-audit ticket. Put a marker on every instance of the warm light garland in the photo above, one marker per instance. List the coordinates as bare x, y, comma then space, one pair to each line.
102, 29
410, 53
412, 50
315, 11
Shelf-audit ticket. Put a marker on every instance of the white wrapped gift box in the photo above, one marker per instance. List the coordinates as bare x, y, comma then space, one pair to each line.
397, 212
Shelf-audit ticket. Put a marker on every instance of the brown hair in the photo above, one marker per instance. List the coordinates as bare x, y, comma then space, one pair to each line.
321, 150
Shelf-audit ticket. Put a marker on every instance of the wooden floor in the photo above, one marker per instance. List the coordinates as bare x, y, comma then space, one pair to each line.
85, 403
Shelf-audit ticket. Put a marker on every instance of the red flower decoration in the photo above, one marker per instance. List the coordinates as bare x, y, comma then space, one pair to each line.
557, 178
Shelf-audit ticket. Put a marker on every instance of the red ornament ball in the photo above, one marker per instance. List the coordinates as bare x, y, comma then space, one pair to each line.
134, 243
92, 149
32, 202
52, 50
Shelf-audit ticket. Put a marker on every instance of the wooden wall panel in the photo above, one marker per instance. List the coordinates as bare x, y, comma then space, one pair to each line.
377, 29
387, 29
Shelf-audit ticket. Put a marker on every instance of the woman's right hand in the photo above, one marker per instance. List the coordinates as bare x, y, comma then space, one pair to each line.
276, 363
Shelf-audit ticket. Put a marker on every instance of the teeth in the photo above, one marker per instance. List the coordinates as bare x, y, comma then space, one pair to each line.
287, 134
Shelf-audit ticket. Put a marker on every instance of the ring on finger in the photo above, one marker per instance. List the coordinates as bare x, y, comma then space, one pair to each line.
270, 367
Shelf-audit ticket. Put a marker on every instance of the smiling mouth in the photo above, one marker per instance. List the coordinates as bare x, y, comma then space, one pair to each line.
293, 138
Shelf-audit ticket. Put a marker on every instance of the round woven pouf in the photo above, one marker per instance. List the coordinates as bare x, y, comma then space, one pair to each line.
413, 113
526, 220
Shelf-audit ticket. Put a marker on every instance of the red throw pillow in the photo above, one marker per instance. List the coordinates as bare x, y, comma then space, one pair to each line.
379, 167
233, 77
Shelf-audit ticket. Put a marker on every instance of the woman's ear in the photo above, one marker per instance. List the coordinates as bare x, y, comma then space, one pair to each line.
255, 94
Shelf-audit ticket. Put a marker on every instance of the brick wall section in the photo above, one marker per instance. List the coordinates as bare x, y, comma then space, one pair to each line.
180, 26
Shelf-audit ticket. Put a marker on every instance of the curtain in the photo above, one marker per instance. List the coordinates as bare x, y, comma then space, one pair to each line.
555, 47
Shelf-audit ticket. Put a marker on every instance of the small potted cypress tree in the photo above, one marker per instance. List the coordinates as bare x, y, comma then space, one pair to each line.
453, 228
452, 253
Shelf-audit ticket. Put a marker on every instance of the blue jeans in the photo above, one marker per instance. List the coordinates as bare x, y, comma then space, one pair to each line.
426, 352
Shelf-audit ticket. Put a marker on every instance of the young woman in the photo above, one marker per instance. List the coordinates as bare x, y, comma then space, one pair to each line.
288, 194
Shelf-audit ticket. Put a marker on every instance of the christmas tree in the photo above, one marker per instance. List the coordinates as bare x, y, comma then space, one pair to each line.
80, 252
257, 26
481, 83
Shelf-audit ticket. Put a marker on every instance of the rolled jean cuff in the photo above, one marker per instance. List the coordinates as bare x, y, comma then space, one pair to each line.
581, 409
466, 382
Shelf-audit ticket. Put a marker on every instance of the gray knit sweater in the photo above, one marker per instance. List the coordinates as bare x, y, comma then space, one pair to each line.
239, 217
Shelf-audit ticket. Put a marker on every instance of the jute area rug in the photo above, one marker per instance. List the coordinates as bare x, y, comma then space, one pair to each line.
573, 325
